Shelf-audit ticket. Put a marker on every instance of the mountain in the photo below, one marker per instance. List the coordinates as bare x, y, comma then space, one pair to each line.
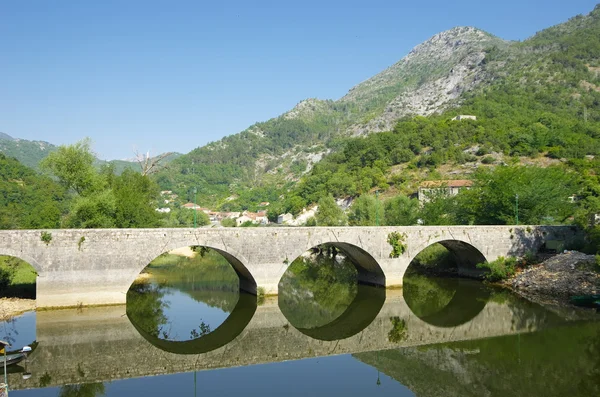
30, 153
525, 94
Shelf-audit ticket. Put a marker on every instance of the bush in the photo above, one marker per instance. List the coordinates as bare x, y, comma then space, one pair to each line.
500, 269
488, 160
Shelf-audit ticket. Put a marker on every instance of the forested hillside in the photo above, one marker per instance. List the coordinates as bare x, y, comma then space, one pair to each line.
537, 99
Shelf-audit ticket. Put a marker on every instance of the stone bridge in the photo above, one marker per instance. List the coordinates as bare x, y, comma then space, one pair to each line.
97, 266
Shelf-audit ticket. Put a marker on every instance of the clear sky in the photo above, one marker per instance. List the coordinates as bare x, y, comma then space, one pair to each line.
174, 75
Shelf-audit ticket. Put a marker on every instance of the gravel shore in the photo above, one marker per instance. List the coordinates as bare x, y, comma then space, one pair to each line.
10, 307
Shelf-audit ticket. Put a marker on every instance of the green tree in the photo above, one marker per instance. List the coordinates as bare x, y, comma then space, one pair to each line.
366, 210
401, 211
73, 165
329, 214
135, 199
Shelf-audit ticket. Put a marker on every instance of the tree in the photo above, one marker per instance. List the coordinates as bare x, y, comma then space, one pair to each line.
73, 165
329, 214
136, 197
543, 196
401, 211
366, 210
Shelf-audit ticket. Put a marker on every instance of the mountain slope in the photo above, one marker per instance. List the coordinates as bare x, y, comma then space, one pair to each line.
454, 71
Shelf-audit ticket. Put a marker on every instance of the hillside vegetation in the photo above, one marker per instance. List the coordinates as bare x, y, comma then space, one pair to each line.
536, 102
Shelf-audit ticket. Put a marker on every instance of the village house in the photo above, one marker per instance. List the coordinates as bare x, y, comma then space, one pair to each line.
429, 189
284, 219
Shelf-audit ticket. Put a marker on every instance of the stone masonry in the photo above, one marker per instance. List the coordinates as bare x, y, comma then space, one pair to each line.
97, 266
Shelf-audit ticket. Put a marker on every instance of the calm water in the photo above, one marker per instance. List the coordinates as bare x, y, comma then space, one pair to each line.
180, 335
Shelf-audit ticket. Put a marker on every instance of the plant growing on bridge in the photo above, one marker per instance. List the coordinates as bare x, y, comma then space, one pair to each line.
398, 333
396, 240
46, 237
81, 241
260, 296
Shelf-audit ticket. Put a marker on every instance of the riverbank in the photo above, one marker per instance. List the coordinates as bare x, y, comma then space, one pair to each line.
554, 281
10, 307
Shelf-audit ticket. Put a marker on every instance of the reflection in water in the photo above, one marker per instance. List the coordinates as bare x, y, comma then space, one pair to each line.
82, 390
444, 302
206, 340
320, 296
317, 289
552, 362
181, 298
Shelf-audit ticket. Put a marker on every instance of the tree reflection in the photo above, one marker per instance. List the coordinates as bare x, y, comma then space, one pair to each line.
317, 289
146, 308
83, 390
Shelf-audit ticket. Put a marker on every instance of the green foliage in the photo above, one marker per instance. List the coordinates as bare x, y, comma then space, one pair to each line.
17, 278
82, 390
366, 210
260, 296
396, 240
46, 237
401, 211
398, 333
27, 200
73, 166
228, 222
316, 290
329, 214
500, 269
543, 196
435, 256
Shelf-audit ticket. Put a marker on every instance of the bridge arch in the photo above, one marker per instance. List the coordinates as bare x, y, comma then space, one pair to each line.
465, 254
369, 270
236, 260
4, 251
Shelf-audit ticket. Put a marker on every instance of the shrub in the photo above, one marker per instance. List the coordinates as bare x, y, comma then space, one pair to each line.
500, 269
46, 237
488, 160
396, 240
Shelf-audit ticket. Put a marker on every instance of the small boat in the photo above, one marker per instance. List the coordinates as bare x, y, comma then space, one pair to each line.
12, 358
586, 300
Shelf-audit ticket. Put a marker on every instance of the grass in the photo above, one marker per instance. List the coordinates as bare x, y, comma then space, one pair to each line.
20, 277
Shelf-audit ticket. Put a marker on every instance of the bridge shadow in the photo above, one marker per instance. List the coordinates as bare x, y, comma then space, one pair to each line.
233, 326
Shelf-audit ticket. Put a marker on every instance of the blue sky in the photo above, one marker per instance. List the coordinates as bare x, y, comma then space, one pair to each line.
174, 75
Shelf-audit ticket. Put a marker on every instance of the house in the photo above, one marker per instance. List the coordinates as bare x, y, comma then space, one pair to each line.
449, 188
464, 117
243, 219
165, 210
191, 206
264, 204
285, 219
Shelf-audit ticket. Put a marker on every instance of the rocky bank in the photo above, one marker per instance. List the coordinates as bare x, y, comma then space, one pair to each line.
557, 279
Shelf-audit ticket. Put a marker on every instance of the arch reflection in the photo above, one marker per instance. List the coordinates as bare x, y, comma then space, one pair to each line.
332, 291
361, 312
444, 302
238, 319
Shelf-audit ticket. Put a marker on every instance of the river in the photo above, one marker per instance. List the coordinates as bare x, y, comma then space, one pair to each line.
186, 332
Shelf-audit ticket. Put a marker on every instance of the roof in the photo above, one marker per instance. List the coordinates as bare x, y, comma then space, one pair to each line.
3, 343
454, 183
